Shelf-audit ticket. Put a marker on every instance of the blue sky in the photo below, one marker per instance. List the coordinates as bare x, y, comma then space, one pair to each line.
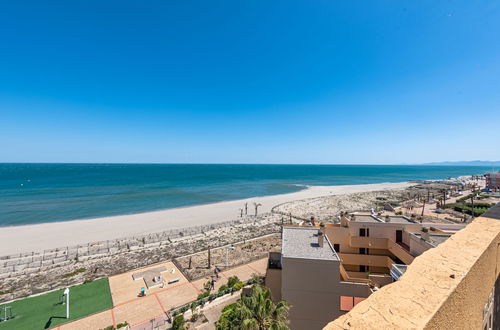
249, 81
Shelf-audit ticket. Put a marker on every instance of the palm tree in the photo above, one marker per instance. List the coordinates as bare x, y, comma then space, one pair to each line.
255, 312
256, 205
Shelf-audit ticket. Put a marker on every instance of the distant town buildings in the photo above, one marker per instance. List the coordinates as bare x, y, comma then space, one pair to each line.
493, 180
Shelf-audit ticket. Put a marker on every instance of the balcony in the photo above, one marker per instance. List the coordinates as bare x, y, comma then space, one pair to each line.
368, 242
366, 260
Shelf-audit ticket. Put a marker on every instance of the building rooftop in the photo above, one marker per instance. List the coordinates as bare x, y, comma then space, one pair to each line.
435, 239
398, 219
381, 219
365, 218
302, 242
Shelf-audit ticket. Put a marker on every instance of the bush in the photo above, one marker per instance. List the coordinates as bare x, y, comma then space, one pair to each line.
223, 288
178, 323
232, 281
256, 279
203, 295
238, 286
122, 325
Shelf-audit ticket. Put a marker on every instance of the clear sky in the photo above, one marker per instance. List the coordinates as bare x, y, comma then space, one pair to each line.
249, 81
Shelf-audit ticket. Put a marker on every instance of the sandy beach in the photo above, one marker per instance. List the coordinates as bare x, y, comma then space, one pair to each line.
17, 239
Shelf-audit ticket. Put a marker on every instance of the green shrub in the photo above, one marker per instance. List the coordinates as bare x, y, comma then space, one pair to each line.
238, 286
223, 288
122, 325
232, 281
203, 295
178, 323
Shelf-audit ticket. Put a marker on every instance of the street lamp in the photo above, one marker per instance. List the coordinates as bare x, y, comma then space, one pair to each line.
228, 248
66, 296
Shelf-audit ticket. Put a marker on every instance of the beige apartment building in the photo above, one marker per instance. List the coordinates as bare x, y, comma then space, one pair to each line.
454, 286
323, 271
493, 181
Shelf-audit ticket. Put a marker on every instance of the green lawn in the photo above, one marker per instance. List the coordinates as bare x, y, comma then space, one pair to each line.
45, 311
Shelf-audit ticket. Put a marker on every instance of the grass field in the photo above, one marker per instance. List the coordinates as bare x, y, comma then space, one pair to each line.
46, 311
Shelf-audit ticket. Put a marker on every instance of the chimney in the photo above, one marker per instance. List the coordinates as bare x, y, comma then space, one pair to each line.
424, 234
387, 218
322, 228
344, 220
321, 239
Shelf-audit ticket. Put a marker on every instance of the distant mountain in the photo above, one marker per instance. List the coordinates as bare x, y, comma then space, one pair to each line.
466, 163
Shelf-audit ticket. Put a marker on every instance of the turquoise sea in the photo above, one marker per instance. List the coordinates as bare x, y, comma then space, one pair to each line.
37, 193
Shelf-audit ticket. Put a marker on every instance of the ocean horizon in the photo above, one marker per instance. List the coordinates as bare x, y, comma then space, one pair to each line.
50, 192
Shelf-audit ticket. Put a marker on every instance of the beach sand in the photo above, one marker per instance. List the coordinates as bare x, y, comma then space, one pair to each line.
17, 239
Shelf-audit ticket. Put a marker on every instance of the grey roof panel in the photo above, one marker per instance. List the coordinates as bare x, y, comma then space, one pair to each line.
302, 242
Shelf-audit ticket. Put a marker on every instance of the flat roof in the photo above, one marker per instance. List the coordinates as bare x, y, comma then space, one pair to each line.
381, 219
302, 242
435, 239
398, 219
365, 218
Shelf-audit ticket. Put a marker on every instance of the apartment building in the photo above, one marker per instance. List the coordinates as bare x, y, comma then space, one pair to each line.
454, 286
493, 180
323, 271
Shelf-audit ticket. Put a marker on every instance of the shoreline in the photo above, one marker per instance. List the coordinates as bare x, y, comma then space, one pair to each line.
38, 237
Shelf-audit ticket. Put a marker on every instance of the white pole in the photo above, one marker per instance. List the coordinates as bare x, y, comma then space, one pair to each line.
66, 292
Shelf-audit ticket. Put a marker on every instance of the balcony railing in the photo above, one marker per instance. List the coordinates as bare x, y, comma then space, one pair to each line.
368, 242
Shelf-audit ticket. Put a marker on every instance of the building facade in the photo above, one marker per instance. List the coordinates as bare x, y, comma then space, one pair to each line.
323, 271
493, 181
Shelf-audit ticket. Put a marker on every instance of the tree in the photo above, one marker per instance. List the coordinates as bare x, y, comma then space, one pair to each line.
255, 312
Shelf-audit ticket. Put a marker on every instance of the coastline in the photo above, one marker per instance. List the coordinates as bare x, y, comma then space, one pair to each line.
37, 237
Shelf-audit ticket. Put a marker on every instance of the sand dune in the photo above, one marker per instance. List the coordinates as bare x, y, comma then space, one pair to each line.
38, 237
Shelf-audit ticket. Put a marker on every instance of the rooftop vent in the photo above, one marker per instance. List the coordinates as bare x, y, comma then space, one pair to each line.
321, 239
424, 234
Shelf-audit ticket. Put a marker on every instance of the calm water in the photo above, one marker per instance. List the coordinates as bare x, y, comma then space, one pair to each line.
35, 193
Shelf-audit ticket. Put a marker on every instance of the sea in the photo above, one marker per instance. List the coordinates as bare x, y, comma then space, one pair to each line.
39, 193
